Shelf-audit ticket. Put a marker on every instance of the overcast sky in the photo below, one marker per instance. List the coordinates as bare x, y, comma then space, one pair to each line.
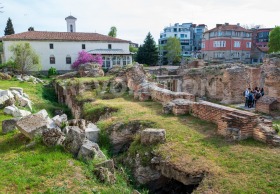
135, 18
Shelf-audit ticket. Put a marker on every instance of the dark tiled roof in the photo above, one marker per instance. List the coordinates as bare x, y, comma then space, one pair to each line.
224, 27
71, 17
61, 36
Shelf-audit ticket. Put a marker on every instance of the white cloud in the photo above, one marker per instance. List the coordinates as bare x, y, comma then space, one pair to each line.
134, 19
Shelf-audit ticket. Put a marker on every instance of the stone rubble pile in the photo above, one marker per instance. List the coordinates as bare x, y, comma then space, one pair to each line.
77, 136
14, 96
29, 78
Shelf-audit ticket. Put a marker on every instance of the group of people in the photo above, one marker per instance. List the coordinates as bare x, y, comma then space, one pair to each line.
251, 96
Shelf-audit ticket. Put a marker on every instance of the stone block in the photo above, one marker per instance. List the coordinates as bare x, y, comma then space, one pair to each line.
9, 125
74, 139
21, 113
18, 89
60, 120
81, 123
107, 164
92, 133
90, 150
32, 125
152, 136
9, 110
53, 137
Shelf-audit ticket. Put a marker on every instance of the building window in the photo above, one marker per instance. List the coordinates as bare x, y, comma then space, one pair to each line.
248, 44
203, 45
237, 44
219, 55
83, 46
71, 28
109, 46
51, 45
236, 55
52, 59
182, 35
68, 59
247, 55
219, 44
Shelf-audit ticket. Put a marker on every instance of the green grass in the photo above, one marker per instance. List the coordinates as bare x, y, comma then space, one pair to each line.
46, 170
42, 97
193, 145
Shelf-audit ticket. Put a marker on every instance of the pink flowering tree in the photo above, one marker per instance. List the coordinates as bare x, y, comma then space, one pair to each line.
85, 57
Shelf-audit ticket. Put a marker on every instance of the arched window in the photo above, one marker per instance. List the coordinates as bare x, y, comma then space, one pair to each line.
71, 28
52, 59
68, 59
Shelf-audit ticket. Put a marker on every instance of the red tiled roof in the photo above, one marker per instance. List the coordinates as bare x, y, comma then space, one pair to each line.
61, 36
229, 27
263, 49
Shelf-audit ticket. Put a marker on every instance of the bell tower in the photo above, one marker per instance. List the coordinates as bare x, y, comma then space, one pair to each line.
71, 23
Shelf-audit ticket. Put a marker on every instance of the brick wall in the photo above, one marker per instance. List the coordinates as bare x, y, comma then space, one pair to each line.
231, 122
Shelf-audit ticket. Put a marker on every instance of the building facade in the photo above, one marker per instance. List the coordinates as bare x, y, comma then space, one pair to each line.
190, 36
227, 43
260, 39
60, 49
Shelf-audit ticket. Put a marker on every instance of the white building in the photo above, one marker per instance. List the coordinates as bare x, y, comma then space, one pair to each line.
60, 49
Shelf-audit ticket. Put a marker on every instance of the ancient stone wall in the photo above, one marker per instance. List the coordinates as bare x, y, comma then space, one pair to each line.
225, 83
271, 69
67, 95
142, 89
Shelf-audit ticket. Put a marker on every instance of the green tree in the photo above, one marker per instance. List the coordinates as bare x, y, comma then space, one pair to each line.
274, 40
31, 28
9, 27
173, 48
113, 32
148, 52
25, 57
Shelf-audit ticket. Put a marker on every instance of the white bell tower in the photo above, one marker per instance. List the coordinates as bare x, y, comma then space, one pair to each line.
71, 23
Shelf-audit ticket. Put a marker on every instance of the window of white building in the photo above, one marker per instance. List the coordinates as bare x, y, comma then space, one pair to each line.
52, 59
68, 59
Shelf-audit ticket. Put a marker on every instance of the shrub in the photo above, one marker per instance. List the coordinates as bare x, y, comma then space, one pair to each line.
277, 128
8, 64
52, 71
85, 57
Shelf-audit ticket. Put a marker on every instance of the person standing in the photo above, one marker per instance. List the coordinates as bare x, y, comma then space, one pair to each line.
262, 92
251, 99
246, 95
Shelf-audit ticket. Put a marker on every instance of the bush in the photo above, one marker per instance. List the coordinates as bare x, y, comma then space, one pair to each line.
8, 64
52, 71
277, 128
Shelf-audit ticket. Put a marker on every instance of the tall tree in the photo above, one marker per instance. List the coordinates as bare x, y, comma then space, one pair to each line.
25, 57
113, 32
274, 40
148, 52
9, 27
31, 28
173, 48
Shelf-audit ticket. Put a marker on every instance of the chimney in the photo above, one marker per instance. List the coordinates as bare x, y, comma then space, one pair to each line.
218, 25
226, 24
238, 24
